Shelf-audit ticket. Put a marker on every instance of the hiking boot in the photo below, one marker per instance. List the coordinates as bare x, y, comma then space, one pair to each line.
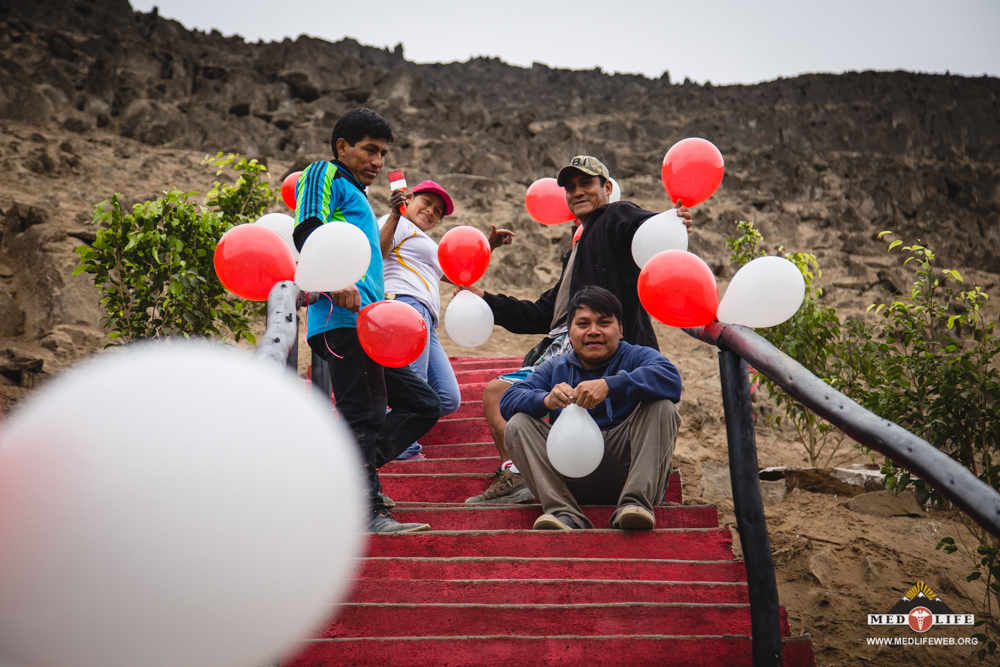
386, 500
633, 517
508, 488
551, 522
383, 522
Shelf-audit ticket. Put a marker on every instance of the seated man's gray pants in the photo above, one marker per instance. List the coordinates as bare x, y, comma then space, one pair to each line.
634, 470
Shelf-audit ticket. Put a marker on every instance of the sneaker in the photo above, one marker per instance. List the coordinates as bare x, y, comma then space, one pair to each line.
383, 522
551, 522
411, 452
386, 500
633, 517
508, 488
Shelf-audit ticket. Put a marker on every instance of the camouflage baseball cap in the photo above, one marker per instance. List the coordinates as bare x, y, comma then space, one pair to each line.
586, 164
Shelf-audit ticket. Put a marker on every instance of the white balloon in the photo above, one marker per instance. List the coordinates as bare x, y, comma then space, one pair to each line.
616, 192
664, 231
336, 255
764, 293
468, 320
173, 505
575, 444
284, 225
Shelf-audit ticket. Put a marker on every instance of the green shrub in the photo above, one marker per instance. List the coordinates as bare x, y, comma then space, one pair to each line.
931, 367
154, 263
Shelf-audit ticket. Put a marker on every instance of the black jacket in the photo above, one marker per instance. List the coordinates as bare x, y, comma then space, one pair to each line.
603, 258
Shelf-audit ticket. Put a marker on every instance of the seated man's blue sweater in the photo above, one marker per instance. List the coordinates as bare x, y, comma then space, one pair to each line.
634, 373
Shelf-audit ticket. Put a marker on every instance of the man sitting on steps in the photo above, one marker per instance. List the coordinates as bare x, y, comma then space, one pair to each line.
630, 391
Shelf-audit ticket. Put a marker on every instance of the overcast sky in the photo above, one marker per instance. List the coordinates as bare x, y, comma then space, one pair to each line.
726, 41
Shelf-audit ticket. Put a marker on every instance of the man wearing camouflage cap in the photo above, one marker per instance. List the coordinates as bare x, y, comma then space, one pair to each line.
601, 257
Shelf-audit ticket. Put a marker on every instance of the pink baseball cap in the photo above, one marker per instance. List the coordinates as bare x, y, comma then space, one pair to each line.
434, 188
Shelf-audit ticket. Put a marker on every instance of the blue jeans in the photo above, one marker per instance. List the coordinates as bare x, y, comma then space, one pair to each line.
433, 366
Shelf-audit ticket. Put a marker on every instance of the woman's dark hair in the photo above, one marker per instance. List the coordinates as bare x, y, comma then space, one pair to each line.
357, 124
598, 299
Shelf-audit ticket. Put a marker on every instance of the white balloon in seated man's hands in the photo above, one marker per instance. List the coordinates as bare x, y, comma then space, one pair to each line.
575, 445
173, 505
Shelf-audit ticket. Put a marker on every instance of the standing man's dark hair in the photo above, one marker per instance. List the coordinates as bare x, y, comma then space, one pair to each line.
598, 299
357, 124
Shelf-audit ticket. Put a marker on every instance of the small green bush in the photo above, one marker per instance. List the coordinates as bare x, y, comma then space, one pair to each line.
154, 263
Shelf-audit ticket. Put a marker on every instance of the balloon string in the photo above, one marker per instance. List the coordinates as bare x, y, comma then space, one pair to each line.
756, 378
325, 342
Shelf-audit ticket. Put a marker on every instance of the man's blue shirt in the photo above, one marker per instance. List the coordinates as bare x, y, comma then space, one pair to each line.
634, 373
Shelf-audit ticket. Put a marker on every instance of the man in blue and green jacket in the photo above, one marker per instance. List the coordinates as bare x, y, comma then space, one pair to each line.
337, 191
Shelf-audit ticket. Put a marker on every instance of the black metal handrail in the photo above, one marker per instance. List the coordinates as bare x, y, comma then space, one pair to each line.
739, 345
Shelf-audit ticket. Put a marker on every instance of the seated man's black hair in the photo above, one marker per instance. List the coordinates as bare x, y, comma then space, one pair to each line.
598, 299
357, 124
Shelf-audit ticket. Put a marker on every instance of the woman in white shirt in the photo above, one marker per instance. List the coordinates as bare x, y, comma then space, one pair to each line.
412, 275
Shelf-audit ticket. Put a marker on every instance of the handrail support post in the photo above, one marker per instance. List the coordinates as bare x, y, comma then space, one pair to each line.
765, 621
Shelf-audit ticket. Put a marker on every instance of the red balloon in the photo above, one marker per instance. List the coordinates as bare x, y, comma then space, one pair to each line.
546, 202
393, 333
288, 189
692, 171
250, 259
577, 234
464, 255
679, 289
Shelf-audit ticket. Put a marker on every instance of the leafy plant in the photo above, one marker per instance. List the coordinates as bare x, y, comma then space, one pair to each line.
813, 337
154, 263
931, 368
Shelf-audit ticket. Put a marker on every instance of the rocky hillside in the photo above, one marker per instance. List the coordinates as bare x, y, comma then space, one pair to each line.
97, 98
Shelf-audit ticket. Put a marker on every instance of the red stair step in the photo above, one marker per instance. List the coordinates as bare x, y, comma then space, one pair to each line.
363, 619
499, 517
458, 431
471, 375
617, 651
472, 391
429, 466
458, 487
680, 544
467, 409
640, 569
551, 591
471, 450
485, 360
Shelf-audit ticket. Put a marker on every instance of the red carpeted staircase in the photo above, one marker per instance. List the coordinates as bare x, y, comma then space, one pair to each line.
484, 589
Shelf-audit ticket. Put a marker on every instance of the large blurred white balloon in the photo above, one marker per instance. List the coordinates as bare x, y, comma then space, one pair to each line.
468, 320
336, 255
616, 192
664, 231
575, 445
173, 505
764, 293
284, 225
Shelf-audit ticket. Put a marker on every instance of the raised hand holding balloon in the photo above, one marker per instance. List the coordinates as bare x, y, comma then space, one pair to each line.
392, 333
692, 171
764, 293
575, 445
679, 289
546, 202
251, 259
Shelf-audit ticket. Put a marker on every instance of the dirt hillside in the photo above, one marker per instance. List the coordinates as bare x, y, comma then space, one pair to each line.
96, 98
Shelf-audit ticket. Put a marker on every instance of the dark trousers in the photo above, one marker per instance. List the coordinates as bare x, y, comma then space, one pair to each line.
363, 389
